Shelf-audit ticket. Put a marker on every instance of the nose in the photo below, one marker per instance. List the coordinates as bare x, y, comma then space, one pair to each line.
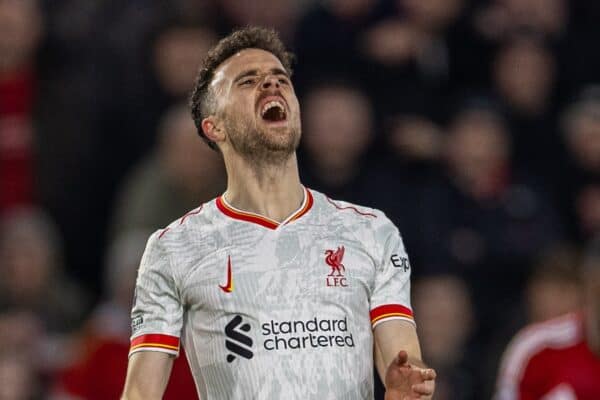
270, 81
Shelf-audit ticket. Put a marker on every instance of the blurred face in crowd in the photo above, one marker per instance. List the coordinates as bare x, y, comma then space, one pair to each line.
431, 14
27, 259
188, 162
338, 126
445, 318
350, 9
477, 147
177, 54
20, 29
583, 137
279, 15
544, 16
415, 137
588, 209
17, 377
554, 290
524, 73
257, 106
548, 298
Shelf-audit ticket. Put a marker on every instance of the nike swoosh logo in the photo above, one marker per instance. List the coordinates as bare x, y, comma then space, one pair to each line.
228, 287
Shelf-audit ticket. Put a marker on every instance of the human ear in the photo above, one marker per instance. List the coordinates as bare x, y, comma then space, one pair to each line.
212, 129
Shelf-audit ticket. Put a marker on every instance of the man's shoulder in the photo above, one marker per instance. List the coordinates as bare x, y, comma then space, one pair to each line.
196, 223
347, 211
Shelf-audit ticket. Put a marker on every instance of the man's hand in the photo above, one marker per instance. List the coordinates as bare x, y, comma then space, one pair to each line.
405, 381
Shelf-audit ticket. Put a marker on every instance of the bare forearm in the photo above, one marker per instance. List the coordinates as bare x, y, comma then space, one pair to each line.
147, 376
394, 336
135, 394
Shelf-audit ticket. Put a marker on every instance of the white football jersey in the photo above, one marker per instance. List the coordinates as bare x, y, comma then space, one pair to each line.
269, 310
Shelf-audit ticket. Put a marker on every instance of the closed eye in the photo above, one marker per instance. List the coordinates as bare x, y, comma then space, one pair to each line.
247, 82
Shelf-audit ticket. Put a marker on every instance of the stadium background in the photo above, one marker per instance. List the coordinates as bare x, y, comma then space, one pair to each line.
475, 125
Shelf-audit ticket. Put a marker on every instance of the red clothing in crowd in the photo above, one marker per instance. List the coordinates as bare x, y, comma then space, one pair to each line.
550, 361
101, 375
16, 139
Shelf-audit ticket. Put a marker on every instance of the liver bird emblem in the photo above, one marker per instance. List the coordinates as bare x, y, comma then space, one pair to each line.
334, 260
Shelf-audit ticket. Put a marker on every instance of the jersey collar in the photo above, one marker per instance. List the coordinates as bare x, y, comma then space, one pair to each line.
241, 215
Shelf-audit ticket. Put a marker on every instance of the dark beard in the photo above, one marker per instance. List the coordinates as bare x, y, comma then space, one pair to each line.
258, 147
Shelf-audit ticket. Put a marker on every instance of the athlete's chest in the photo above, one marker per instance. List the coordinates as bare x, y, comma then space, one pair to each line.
287, 267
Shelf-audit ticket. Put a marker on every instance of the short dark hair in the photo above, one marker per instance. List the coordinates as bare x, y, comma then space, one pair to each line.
253, 37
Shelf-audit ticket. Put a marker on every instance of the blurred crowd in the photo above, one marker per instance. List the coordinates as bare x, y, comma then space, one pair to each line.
473, 124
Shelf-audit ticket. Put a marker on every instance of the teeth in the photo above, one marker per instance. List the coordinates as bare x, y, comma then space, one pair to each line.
270, 105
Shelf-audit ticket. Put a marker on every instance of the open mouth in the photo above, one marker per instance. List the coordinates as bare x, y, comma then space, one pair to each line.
273, 111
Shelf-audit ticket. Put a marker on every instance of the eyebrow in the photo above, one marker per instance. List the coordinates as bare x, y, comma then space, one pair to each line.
254, 72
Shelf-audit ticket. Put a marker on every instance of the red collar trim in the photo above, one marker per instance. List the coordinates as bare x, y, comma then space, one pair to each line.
234, 213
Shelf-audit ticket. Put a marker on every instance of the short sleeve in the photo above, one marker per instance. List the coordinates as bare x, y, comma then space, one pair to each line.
390, 298
157, 313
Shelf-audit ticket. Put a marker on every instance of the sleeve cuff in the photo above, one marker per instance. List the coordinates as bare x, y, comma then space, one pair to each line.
390, 311
155, 342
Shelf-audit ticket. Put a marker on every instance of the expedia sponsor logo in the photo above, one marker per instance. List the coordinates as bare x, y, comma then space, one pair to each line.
305, 334
400, 262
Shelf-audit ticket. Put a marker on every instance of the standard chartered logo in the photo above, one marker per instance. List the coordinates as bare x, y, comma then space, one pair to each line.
237, 341
304, 334
287, 335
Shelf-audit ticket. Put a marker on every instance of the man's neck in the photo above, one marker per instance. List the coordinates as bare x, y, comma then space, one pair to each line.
273, 191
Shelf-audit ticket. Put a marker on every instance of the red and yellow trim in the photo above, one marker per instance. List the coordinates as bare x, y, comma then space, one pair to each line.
308, 203
390, 311
155, 342
259, 219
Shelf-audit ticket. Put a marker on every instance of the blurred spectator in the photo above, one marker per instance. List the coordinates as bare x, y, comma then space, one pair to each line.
446, 323
174, 50
18, 378
559, 358
99, 368
407, 162
414, 51
501, 19
280, 15
39, 306
554, 288
487, 220
327, 39
404, 39
415, 34
416, 138
338, 128
524, 72
588, 210
99, 110
177, 52
111, 318
31, 274
180, 175
580, 180
582, 131
20, 34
